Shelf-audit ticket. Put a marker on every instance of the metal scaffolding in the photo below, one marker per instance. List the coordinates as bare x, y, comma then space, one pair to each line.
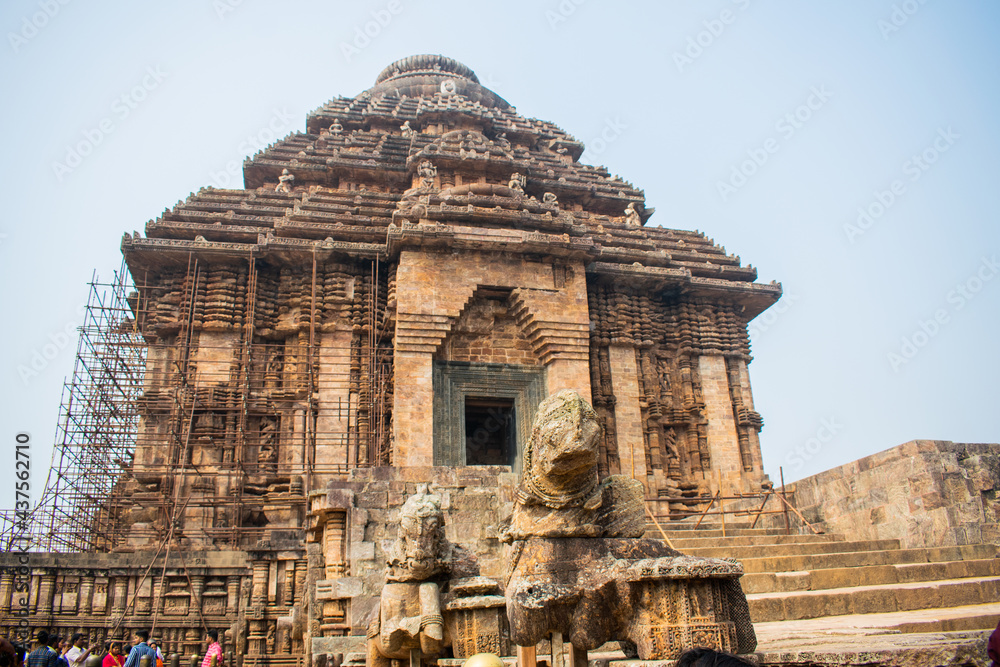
95, 435
184, 427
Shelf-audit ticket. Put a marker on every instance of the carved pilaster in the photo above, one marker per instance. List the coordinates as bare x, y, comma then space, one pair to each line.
300, 579
46, 592
86, 599
288, 590
6, 591
258, 595
232, 595
335, 545
197, 588
120, 588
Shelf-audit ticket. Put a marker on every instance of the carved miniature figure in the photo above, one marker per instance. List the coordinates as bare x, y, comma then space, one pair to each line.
285, 181
427, 172
336, 127
550, 198
407, 131
632, 215
517, 182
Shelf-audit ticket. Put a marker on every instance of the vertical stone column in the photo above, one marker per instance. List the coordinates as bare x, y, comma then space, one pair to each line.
86, 603
258, 595
120, 588
197, 588
723, 442
628, 416
300, 579
413, 421
258, 600
334, 536
752, 433
288, 590
232, 595
158, 599
46, 592
334, 389
6, 591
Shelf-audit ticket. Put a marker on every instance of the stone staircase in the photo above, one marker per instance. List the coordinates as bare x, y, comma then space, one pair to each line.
814, 589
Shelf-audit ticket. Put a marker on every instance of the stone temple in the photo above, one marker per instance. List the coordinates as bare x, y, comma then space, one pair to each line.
385, 304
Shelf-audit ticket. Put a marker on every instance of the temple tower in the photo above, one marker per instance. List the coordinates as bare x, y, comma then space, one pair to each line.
396, 289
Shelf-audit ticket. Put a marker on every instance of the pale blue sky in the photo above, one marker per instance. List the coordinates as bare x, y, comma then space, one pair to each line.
204, 79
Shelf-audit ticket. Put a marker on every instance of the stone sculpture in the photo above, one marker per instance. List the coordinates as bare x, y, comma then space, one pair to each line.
632, 215
517, 182
285, 181
579, 569
409, 622
406, 130
428, 172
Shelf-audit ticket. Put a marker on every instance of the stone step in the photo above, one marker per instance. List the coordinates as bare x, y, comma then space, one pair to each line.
683, 542
963, 618
812, 562
843, 577
775, 550
714, 530
766, 607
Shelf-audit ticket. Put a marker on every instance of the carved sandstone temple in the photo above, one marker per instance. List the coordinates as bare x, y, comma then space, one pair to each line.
386, 302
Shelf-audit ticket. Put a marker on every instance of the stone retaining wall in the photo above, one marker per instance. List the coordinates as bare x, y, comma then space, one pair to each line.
925, 493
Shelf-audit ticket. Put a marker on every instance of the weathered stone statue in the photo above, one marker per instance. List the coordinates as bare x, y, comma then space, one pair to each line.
517, 182
579, 569
427, 172
550, 198
409, 622
632, 215
407, 131
285, 181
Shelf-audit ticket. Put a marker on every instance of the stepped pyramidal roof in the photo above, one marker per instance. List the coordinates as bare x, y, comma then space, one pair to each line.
429, 157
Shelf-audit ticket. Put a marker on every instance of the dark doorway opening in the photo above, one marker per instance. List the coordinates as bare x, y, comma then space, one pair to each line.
490, 432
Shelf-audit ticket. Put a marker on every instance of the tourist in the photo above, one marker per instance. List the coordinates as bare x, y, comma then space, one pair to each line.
706, 657
42, 656
993, 648
159, 656
21, 652
214, 649
140, 650
57, 647
8, 654
114, 656
78, 650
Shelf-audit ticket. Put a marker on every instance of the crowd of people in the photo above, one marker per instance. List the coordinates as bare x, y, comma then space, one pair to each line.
54, 650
